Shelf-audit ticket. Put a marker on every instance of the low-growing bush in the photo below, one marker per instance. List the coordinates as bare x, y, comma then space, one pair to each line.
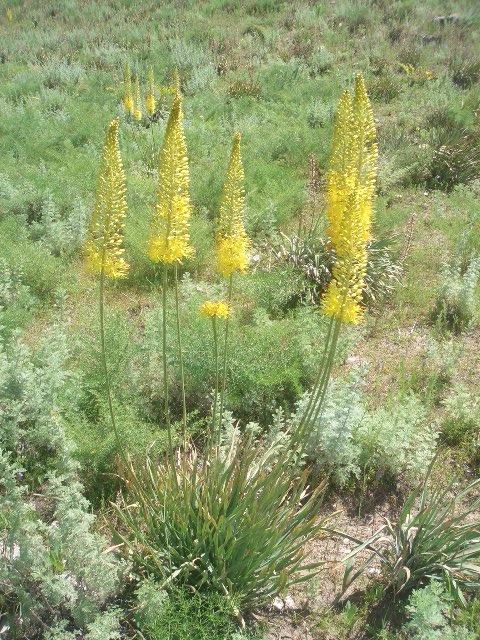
61, 234
385, 88
41, 271
460, 425
17, 304
184, 615
455, 160
428, 612
391, 456
276, 291
465, 72
435, 537
54, 572
456, 307
332, 447
347, 440
35, 391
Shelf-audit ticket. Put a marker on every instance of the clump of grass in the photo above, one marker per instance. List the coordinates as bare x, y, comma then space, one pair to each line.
436, 537
465, 72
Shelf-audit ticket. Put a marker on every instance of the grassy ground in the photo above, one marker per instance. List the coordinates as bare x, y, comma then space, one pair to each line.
273, 71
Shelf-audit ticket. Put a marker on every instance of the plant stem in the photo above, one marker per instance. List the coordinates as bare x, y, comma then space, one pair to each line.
165, 372
224, 368
328, 370
180, 358
321, 370
215, 397
104, 361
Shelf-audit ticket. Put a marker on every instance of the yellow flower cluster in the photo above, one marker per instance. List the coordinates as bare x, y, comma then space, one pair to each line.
218, 309
137, 105
350, 191
150, 97
128, 98
169, 239
232, 241
103, 249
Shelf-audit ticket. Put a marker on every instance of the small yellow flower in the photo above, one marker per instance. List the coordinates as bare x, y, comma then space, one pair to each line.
137, 108
128, 98
150, 98
103, 251
218, 309
9, 14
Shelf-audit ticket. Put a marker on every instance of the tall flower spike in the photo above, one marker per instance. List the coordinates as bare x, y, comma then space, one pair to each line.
169, 239
150, 98
128, 98
350, 191
103, 249
232, 241
137, 105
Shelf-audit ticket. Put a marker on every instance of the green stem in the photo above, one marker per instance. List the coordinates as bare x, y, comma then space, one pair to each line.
225, 350
180, 357
215, 433
165, 372
321, 370
328, 370
154, 146
104, 362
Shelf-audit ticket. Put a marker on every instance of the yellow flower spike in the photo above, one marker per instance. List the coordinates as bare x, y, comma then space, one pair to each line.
137, 108
169, 238
128, 98
350, 192
103, 249
232, 241
9, 14
150, 98
211, 309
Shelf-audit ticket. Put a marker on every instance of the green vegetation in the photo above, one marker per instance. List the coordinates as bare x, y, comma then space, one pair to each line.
191, 518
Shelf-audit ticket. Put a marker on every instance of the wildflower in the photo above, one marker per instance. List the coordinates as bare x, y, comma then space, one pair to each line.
150, 98
128, 98
232, 241
169, 239
137, 109
350, 191
9, 14
103, 248
218, 309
